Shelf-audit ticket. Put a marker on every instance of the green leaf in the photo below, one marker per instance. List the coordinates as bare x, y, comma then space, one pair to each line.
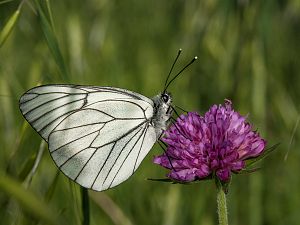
8, 27
265, 153
248, 170
30, 202
161, 180
167, 180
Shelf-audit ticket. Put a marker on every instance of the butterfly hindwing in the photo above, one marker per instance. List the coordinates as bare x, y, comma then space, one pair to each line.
97, 136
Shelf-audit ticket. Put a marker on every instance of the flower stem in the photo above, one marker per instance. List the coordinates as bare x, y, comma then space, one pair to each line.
222, 206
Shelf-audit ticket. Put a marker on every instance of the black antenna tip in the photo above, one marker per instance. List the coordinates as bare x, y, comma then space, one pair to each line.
194, 59
179, 51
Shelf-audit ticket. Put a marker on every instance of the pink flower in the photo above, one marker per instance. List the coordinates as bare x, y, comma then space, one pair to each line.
218, 143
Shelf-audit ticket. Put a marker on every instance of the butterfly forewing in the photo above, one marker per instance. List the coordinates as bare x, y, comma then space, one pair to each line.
97, 136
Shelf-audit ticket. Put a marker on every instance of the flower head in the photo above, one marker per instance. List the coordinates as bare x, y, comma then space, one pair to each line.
217, 143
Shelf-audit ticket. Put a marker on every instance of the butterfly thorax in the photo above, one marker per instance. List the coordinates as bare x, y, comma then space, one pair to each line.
162, 112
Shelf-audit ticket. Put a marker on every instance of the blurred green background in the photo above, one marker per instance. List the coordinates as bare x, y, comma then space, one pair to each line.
248, 51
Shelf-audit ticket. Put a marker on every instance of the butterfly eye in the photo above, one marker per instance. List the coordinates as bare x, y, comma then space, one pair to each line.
165, 98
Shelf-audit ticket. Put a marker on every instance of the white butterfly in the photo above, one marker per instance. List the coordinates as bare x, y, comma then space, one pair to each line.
97, 136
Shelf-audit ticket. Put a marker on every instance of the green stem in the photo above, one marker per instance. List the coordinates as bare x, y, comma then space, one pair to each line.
222, 206
85, 206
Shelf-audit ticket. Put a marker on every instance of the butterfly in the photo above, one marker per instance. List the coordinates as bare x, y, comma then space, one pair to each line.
97, 136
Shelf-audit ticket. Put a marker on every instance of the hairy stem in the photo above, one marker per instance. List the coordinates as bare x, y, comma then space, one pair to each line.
222, 206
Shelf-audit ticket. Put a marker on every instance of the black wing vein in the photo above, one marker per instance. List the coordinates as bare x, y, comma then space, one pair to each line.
120, 154
140, 149
127, 156
52, 110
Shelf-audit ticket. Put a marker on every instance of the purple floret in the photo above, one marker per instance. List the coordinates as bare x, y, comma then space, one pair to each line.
218, 143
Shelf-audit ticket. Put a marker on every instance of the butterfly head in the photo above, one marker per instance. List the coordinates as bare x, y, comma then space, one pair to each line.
163, 104
166, 104
166, 98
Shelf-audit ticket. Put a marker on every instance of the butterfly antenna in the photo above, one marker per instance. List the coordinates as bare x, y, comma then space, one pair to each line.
181, 109
178, 54
193, 60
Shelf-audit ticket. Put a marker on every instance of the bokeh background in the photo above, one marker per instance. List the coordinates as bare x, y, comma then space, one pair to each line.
248, 51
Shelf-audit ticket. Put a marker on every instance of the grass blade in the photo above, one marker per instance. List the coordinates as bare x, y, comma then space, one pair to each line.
110, 208
8, 27
27, 200
36, 164
5, 1
52, 187
85, 206
51, 39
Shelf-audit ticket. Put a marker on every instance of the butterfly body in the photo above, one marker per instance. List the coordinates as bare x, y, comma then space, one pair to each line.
162, 112
97, 136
